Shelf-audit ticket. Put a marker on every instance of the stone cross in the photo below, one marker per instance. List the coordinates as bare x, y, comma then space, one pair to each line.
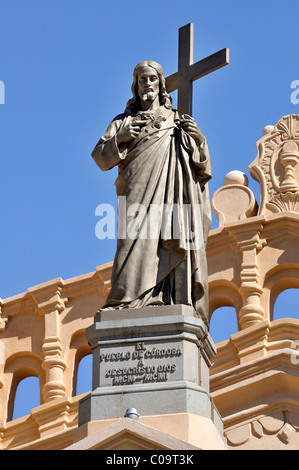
189, 72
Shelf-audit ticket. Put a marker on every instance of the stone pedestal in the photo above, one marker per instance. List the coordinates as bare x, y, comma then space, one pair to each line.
153, 359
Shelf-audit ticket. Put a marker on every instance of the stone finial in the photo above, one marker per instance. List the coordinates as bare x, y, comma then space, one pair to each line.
234, 200
276, 166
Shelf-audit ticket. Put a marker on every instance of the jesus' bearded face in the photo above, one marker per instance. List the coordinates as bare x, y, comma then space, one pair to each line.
148, 84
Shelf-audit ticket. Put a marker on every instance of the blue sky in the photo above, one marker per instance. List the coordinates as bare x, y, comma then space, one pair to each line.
67, 70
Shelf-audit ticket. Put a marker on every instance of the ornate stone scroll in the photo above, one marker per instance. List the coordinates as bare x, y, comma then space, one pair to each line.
276, 166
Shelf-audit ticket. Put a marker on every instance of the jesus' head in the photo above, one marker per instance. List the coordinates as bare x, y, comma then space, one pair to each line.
148, 85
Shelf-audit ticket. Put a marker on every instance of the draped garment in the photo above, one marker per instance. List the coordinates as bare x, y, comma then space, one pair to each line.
163, 201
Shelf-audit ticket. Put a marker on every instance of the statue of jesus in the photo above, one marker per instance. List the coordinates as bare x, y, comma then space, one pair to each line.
163, 162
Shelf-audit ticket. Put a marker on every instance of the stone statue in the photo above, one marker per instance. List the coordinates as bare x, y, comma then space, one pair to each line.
164, 167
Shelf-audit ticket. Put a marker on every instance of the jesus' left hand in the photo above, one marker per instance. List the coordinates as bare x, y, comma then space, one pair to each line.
189, 125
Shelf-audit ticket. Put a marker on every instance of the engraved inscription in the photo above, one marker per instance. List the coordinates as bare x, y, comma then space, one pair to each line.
119, 372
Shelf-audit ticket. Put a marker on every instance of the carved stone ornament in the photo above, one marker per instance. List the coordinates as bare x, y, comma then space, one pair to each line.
274, 425
276, 166
234, 200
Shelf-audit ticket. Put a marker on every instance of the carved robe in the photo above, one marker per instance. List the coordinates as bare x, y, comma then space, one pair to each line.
161, 168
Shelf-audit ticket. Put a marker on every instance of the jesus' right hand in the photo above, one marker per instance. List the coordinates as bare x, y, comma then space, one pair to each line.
129, 132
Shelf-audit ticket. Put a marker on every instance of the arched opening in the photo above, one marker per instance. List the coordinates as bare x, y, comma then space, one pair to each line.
84, 375
287, 304
19, 367
27, 396
281, 289
81, 357
223, 323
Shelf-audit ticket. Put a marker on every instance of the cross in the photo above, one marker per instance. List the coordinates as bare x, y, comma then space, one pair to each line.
189, 72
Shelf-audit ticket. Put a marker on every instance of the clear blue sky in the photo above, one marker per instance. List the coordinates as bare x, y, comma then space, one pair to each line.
67, 68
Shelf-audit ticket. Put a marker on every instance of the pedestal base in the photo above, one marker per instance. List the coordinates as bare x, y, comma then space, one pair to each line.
154, 359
